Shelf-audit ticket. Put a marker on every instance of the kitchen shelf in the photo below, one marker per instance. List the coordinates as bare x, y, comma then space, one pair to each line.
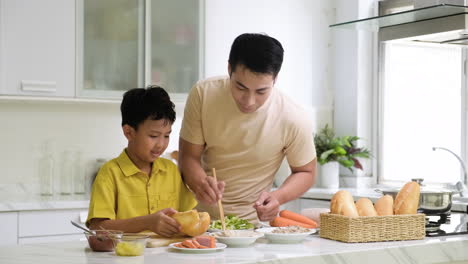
404, 17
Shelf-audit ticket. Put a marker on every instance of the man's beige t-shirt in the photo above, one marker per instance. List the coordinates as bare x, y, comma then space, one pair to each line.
246, 149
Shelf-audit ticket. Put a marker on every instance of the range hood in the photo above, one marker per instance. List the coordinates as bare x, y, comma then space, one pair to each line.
440, 24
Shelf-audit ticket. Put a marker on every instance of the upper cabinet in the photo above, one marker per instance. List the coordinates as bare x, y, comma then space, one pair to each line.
126, 44
176, 45
37, 47
99, 49
111, 44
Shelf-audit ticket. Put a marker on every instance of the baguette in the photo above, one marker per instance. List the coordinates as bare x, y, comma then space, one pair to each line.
365, 207
384, 205
407, 199
342, 203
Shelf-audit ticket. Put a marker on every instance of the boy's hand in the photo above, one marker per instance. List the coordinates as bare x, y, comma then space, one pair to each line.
163, 224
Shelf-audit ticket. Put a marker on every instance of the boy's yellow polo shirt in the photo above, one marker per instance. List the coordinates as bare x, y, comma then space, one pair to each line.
121, 190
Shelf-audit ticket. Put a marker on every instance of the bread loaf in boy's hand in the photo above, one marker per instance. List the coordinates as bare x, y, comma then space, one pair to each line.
192, 222
342, 203
407, 199
384, 205
365, 207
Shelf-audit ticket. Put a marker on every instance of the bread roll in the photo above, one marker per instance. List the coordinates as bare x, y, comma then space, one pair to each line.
365, 207
192, 222
384, 205
342, 203
407, 199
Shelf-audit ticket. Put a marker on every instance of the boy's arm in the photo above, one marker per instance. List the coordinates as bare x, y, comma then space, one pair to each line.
160, 222
206, 189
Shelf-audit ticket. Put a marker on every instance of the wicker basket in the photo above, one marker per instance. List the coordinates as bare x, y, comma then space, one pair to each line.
372, 228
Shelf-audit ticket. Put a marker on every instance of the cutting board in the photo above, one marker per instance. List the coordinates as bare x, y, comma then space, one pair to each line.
158, 241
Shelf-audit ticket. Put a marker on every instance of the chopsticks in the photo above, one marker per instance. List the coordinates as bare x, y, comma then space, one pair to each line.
220, 205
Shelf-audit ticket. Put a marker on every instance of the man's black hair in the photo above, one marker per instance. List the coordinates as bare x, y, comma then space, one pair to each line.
257, 52
152, 103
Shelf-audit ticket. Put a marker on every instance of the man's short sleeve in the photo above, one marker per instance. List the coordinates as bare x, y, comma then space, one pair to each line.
300, 147
191, 130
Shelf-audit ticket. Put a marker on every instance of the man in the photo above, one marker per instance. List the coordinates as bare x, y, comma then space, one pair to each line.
243, 127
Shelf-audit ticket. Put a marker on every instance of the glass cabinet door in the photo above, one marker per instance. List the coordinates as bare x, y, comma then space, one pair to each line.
123, 44
176, 45
112, 47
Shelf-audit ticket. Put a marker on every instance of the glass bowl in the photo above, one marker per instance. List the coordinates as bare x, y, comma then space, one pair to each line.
103, 240
131, 244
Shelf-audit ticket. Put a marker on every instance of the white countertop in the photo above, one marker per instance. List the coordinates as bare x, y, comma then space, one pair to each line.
313, 250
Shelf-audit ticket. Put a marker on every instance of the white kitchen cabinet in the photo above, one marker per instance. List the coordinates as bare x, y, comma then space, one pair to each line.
37, 47
50, 225
9, 228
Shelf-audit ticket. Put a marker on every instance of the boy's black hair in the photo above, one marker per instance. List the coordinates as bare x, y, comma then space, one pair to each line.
152, 103
257, 52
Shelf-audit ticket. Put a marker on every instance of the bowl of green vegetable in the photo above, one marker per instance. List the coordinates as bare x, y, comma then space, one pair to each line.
232, 223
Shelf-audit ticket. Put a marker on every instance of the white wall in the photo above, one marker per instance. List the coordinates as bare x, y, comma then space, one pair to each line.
92, 128
354, 82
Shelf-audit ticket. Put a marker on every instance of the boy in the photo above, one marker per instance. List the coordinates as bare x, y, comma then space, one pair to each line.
139, 191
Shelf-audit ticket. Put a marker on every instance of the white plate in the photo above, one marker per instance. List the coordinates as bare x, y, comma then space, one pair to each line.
284, 238
240, 238
219, 246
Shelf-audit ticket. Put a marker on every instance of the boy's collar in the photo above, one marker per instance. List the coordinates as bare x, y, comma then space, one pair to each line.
129, 168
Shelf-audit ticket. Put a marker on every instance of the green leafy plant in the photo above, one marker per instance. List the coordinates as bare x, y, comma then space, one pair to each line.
341, 149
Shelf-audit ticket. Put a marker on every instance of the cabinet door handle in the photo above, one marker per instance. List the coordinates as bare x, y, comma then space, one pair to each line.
39, 86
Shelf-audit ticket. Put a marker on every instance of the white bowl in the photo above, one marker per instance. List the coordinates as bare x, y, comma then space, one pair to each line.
284, 238
237, 238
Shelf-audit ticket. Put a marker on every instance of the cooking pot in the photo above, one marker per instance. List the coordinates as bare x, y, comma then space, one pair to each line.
431, 201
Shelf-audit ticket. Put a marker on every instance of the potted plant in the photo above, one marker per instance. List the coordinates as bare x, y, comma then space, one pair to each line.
333, 151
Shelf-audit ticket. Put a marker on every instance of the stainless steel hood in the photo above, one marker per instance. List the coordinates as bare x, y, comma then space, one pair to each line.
439, 24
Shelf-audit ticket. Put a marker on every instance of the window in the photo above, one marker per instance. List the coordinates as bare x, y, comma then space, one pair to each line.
422, 106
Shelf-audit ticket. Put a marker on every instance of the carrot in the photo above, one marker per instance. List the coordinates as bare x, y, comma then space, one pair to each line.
298, 217
282, 221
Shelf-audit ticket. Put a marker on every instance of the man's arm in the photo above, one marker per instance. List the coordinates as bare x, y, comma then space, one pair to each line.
300, 180
205, 188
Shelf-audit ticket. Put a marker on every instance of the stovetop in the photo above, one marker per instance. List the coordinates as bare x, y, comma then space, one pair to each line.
454, 223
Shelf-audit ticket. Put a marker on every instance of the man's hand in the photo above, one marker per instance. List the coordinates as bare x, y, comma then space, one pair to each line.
163, 224
209, 191
267, 206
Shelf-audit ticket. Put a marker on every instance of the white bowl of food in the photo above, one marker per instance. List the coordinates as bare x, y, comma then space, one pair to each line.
237, 238
286, 235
